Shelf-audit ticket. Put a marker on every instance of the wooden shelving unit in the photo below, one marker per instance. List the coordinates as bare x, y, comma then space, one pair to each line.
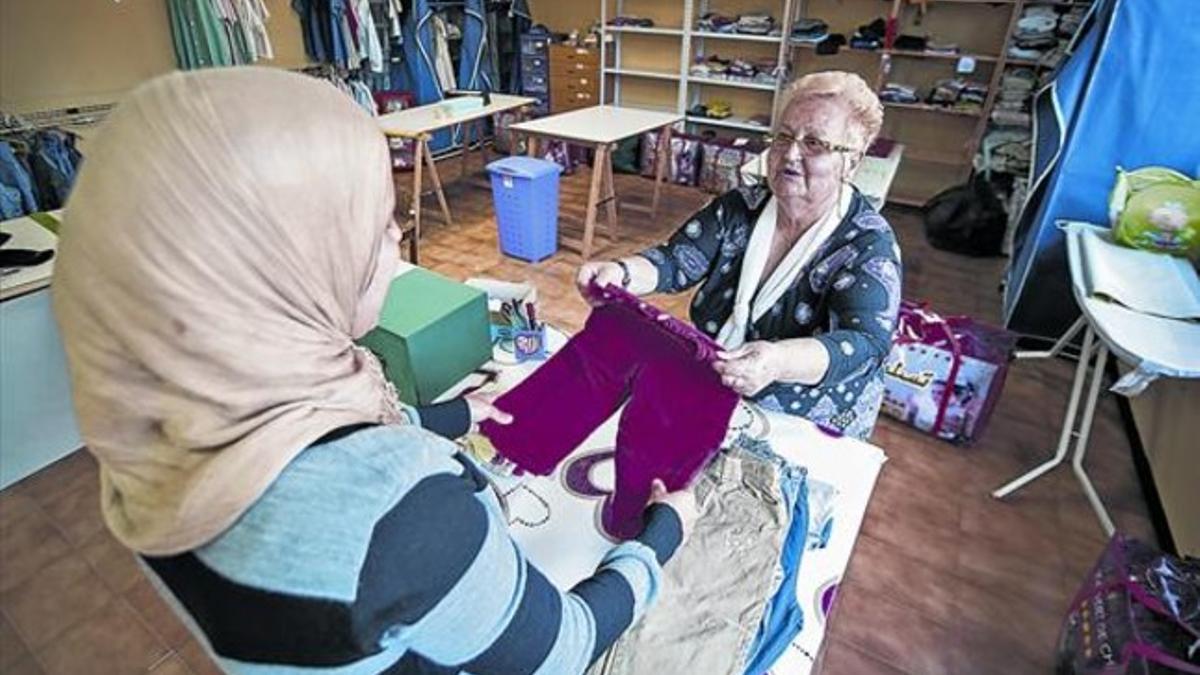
639, 62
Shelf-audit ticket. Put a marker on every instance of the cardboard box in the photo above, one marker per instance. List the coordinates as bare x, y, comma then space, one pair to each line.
432, 332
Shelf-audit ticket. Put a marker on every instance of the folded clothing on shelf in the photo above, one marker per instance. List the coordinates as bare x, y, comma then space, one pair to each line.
1011, 118
640, 22
755, 24
958, 93
869, 36
911, 43
831, 44
895, 92
809, 30
717, 23
944, 48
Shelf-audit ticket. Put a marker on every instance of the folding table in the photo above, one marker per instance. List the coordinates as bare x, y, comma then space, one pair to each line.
601, 127
419, 124
1155, 345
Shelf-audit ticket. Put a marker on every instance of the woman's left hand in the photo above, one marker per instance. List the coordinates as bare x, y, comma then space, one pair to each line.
749, 368
482, 408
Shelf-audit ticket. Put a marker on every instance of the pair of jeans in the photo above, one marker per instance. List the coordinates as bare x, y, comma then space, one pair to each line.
15, 178
675, 417
715, 588
783, 617
54, 162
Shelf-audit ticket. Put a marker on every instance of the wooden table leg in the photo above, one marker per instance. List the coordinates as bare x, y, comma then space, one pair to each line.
610, 197
531, 145
437, 185
414, 242
466, 149
664, 156
484, 155
589, 222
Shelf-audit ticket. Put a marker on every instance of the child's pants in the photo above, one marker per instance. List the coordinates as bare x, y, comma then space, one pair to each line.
675, 417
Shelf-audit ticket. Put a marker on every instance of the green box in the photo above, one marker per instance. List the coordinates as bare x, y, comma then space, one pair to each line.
432, 332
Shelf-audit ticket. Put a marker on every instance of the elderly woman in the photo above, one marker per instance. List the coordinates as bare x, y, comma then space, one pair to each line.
229, 238
799, 281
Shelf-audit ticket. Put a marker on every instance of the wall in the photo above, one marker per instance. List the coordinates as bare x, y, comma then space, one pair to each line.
565, 16
58, 53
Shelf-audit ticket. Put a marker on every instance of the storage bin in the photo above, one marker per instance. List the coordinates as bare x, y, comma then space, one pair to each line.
525, 193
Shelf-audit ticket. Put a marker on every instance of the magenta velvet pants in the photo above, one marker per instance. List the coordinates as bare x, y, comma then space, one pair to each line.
675, 417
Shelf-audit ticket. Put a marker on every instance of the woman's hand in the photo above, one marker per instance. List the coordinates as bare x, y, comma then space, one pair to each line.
749, 368
482, 408
604, 273
683, 503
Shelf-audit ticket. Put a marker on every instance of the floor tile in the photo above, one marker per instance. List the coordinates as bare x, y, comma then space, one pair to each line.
77, 512
54, 600
12, 648
895, 634
880, 569
26, 666
172, 665
68, 473
27, 545
112, 641
842, 658
112, 562
198, 660
146, 601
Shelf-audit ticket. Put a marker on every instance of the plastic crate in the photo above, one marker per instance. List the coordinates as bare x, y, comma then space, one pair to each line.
525, 193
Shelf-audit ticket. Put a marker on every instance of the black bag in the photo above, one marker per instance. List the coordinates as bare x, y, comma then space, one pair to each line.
968, 219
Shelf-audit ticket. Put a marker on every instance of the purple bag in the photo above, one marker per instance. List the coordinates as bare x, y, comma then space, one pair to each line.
1137, 613
565, 155
945, 374
722, 160
684, 164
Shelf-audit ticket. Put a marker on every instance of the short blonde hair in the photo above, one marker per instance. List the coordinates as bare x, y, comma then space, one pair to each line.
865, 109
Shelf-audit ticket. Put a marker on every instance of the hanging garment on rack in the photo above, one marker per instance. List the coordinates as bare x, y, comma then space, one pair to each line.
17, 183
368, 37
444, 63
198, 35
474, 65
522, 20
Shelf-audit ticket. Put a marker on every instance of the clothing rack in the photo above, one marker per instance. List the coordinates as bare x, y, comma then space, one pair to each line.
57, 117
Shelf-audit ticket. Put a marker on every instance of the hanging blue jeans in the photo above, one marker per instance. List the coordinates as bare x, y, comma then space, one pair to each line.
13, 175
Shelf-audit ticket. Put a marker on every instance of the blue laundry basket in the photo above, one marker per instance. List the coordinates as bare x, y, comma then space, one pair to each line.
525, 192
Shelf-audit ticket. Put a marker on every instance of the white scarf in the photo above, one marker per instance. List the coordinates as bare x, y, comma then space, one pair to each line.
754, 263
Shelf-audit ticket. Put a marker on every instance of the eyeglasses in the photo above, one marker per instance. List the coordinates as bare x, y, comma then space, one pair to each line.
810, 146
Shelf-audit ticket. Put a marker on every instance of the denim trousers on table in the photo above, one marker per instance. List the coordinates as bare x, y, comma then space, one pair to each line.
715, 589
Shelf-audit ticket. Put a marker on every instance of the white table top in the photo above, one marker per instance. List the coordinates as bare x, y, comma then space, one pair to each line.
1170, 346
28, 233
428, 118
599, 124
873, 178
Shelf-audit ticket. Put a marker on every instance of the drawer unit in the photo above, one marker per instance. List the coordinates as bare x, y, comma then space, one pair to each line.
574, 77
535, 72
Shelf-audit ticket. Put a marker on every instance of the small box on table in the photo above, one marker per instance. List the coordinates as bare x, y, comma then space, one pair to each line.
432, 332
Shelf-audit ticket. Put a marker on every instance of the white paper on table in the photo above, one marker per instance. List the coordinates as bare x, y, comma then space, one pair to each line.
1150, 283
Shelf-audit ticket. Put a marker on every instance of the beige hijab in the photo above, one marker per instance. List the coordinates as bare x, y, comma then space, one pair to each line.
224, 227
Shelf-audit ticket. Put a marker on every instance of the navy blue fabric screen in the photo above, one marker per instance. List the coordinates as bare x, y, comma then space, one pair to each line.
475, 64
1128, 95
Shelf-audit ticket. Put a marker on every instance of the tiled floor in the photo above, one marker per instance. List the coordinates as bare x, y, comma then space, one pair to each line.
943, 580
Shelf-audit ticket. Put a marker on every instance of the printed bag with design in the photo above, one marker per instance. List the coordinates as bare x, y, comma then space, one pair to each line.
1138, 613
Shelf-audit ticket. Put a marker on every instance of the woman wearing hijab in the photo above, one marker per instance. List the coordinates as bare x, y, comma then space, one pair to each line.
230, 236
799, 279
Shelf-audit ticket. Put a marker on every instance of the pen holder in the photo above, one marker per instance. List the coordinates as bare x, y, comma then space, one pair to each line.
529, 345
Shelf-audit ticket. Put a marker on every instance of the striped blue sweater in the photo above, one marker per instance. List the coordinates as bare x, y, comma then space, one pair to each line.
382, 549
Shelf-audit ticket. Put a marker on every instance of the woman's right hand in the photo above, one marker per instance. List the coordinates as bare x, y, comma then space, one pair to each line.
682, 502
604, 273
